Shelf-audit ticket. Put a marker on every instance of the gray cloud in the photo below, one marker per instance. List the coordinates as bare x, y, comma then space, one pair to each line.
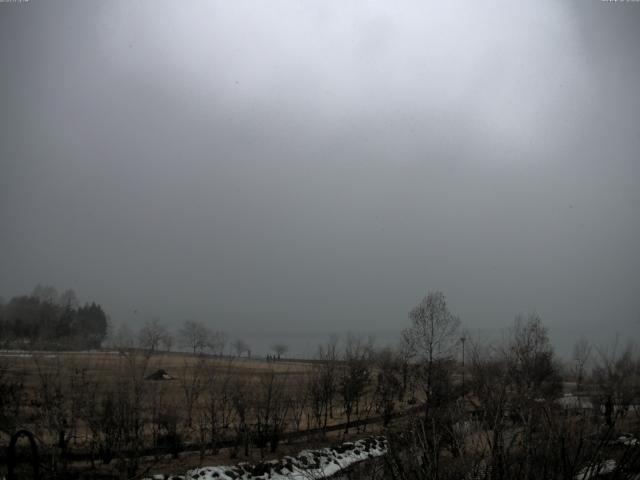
316, 167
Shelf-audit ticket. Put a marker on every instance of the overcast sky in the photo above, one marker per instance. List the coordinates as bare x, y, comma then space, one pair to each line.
313, 167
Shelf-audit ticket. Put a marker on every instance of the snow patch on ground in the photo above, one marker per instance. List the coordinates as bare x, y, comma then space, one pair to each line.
592, 471
628, 440
308, 464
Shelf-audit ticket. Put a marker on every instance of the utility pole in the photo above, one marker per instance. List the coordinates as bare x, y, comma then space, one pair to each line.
462, 340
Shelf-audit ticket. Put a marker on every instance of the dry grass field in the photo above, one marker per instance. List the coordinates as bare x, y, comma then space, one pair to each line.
173, 410
108, 367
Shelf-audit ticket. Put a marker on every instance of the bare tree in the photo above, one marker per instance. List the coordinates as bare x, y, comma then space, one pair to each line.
534, 381
151, 335
490, 384
240, 400
321, 389
194, 335
534, 371
388, 382
323, 382
431, 336
123, 338
240, 347
513, 428
618, 376
217, 343
12, 395
56, 411
191, 378
124, 411
219, 391
167, 341
353, 376
519, 433
279, 349
299, 404
581, 353
270, 408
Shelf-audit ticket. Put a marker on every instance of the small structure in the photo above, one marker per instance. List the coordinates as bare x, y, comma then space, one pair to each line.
159, 375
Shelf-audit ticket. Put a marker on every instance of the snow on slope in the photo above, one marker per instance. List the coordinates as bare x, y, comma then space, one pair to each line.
308, 464
604, 468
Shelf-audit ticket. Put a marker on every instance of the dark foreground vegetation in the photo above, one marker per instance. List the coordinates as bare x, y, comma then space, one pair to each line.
450, 406
512, 417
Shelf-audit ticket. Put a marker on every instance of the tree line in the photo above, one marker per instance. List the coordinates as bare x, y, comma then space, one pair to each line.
191, 336
46, 319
